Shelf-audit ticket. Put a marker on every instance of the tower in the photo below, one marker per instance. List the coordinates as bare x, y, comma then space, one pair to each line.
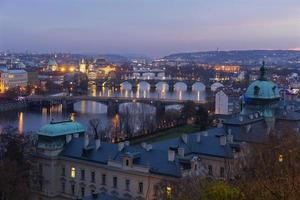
82, 66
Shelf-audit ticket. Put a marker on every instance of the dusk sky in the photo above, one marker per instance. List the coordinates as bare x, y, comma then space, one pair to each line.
152, 27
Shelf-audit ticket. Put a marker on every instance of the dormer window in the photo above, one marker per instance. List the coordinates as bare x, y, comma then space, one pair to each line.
256, 90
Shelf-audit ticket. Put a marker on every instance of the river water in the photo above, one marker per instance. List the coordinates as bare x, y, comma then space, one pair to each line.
27, 120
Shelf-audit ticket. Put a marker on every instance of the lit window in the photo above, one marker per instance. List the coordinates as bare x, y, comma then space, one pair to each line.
169, 193
73, 172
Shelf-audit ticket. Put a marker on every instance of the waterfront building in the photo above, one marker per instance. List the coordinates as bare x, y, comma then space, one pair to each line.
3, 79
17, 78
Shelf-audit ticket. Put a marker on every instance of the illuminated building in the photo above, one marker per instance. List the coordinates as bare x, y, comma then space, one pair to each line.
82, 66
17, 78
227, 68
52, 65
3, 79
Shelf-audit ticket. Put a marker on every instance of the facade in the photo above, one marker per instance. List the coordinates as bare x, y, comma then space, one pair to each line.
17, 78
72, 165
3, 79
82, 66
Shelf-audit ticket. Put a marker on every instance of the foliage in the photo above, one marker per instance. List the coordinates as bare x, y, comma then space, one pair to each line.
221, 191
189, 110
14, 167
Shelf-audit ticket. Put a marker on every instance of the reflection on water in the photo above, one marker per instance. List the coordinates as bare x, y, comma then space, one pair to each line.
162, 91
32, 120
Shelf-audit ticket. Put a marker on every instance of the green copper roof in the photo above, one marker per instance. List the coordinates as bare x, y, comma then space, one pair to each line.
262, 89
61, 128
52, 62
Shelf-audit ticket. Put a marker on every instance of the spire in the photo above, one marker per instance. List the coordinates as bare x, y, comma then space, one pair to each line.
263, 71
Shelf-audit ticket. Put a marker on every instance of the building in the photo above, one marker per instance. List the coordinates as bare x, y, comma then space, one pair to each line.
17, 78
226, 103
52, 65
82, 66
72, 165
3, 79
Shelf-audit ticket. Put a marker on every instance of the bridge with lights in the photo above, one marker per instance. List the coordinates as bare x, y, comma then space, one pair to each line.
112, 103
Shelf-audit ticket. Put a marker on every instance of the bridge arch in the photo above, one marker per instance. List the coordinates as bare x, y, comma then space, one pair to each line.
198, 86
180, 86
144, 85
215, 86
162, 86
126, 85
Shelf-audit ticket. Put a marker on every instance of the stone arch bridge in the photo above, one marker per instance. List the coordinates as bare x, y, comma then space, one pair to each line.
112, 103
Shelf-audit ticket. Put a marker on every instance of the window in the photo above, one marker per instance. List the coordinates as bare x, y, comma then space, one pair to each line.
82, 191
73, 172
127, 185
103, 179
169, 193
210, 171
82, 174
127, 162
222, 172
63, 186
115, 182
73, 189
40, 169
63, 170
141, 187
93, 177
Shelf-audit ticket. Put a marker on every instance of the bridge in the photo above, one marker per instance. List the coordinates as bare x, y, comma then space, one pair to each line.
112, 103
153, 83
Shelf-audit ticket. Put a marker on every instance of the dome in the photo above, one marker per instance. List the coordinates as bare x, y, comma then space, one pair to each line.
262, 89
61, 128
215, 86
52, 62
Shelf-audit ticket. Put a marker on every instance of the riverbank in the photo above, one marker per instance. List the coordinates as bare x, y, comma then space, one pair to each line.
11, 105
167, 134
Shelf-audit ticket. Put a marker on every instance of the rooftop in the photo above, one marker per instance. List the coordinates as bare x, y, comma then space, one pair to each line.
61, 128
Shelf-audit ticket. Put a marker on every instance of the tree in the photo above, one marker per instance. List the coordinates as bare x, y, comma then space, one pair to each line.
202, 117
189, 110
271, 170
198, 188
97, 127
14, 166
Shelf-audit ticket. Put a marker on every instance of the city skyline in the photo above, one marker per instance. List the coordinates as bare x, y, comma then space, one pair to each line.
153, 28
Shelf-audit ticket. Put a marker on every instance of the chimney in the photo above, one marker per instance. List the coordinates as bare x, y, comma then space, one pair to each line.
121, 146
184, 138
98, 143
148, 147
127, 143
222, 140
241, 118
181, 151
198, 137
205, 133
230, 138
171, 155
144, 145
86, 140
68, 138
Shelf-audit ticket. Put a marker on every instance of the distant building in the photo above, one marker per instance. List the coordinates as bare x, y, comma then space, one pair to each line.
17, 78
82, 66
226, 104
3, 79
52, 65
